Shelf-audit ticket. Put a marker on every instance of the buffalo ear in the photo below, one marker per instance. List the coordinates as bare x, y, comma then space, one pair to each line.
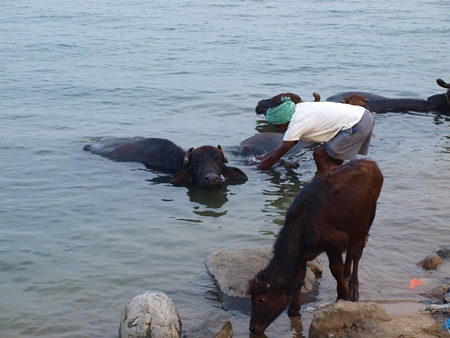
187, 155
232, 173
442, 83
182, 176
224, 158
291, 285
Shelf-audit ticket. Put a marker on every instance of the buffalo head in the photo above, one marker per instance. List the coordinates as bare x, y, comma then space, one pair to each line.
269, 298
206, 165
266, 104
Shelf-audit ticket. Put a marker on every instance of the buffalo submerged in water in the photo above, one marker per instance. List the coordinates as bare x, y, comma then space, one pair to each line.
376, 103
204, 165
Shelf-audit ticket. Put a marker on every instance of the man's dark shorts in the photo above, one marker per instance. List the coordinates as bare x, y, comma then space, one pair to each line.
355, 140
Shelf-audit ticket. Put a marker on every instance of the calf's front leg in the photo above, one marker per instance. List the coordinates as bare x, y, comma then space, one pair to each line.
353, 283
296, 298
337, 270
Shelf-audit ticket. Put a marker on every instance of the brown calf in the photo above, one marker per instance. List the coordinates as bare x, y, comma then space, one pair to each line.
333, 213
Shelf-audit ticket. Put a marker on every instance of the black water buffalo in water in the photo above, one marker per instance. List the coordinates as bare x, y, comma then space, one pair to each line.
263, 143
376, 103
204, 165
381, 104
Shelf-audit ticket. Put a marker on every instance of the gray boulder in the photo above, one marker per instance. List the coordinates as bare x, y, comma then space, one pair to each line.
150, 315
444, 253
232, 269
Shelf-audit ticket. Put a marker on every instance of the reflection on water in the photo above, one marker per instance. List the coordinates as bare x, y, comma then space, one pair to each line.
297, 327
285, 184
204, 200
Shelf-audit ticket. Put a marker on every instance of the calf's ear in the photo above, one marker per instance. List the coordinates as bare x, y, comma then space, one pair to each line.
291, 285
232, 173
182, 176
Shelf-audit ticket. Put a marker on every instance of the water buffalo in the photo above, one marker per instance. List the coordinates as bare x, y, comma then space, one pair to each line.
204, 165
378, 104
263, 143
264, 105
333, 213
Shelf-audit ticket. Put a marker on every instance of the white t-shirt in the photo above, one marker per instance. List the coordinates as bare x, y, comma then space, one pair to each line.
319, 122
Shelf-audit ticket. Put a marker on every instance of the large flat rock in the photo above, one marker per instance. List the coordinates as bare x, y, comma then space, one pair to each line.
232, 269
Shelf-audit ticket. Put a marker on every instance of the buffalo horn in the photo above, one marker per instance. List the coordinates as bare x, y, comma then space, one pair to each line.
442, 83
225, 160
186, 156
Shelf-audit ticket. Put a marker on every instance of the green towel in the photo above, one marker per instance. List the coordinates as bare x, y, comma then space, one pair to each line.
281, 114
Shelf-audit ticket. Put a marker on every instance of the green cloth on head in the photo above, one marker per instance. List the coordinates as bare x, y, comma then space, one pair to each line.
281, 114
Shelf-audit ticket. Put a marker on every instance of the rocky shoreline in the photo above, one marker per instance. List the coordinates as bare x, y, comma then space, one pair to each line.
231, 270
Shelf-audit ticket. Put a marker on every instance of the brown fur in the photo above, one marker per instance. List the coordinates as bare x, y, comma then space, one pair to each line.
333, 213
356, 100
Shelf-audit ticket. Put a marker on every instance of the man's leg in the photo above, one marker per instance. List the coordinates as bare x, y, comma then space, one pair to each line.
324, 161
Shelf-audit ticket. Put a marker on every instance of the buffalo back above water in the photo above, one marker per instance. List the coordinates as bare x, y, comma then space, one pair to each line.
263, 143
204, 165
381, 104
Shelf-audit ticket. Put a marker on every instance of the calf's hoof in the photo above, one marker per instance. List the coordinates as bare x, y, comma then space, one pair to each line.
353, 295
293, 312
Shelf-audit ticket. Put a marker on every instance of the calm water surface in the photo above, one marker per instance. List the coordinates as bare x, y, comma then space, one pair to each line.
81, 235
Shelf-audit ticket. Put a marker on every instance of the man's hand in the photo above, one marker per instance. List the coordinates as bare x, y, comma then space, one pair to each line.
271, 158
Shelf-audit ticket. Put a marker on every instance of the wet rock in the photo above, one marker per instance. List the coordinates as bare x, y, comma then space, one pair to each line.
419, 325
444, 253
232, 269
151, 314
447, 297
316, 267
347, 316
216, 326
431, 262
437, 292
370, 320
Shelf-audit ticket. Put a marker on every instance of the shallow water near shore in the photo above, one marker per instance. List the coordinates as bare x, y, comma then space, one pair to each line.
81, 235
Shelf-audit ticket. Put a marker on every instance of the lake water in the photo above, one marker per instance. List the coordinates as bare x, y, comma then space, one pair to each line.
81, 235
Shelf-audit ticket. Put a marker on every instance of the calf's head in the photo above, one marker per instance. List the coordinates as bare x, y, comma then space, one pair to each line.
205, 166
269, 298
